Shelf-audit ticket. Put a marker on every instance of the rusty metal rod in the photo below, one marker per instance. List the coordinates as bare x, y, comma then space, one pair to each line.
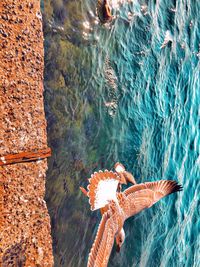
25, 156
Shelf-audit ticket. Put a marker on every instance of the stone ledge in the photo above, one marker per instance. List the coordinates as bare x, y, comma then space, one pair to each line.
25, 232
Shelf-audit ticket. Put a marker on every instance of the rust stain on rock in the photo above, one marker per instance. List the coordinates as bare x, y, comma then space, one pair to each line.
25, 238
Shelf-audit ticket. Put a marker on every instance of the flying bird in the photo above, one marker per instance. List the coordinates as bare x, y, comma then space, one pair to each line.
116, 207
122, 176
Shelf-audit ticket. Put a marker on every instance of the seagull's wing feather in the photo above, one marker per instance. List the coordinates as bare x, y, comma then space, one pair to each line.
102, 246
142, 196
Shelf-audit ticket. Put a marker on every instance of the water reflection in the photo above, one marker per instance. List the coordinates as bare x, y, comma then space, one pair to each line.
142, 111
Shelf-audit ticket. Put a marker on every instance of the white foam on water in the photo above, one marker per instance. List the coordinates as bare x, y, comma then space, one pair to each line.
168, 38
86, 25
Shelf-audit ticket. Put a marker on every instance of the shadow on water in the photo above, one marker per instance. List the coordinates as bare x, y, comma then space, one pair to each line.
112, 94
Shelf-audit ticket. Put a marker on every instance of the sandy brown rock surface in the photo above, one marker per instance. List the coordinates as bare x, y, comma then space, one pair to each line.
25, 238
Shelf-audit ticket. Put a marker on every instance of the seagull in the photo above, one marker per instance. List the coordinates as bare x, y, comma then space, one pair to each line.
122, 174
117, 207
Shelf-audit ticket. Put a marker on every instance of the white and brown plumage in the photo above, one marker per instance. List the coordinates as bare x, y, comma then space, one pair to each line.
125, 176
118, 207
120, 174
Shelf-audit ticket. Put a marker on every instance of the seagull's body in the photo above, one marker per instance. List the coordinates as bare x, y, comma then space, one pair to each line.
117, 207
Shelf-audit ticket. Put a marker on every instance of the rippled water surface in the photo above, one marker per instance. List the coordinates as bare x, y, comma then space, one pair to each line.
113, 94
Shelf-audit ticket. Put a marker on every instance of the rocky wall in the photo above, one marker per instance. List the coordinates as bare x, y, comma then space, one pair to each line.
25, 238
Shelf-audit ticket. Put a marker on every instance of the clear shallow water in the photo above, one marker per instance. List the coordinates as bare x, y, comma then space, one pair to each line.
112, 94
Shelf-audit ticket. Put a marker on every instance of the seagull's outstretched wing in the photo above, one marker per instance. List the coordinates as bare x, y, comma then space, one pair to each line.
142, 196
102, 246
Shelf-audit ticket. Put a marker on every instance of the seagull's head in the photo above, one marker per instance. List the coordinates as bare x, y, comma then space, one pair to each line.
120, 239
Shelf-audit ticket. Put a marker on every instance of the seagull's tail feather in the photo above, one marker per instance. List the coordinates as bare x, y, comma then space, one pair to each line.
102, 188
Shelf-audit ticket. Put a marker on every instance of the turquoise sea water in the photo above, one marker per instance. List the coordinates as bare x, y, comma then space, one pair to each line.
123, 98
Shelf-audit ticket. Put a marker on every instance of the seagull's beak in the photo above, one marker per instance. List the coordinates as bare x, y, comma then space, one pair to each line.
118, 249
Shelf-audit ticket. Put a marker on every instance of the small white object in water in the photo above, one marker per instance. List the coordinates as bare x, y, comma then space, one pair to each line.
183, 46
114, 3
168, 38
144, 9
130, 15
86, 24
91, 13
173, 10
85, 34
111, 104
96, 21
